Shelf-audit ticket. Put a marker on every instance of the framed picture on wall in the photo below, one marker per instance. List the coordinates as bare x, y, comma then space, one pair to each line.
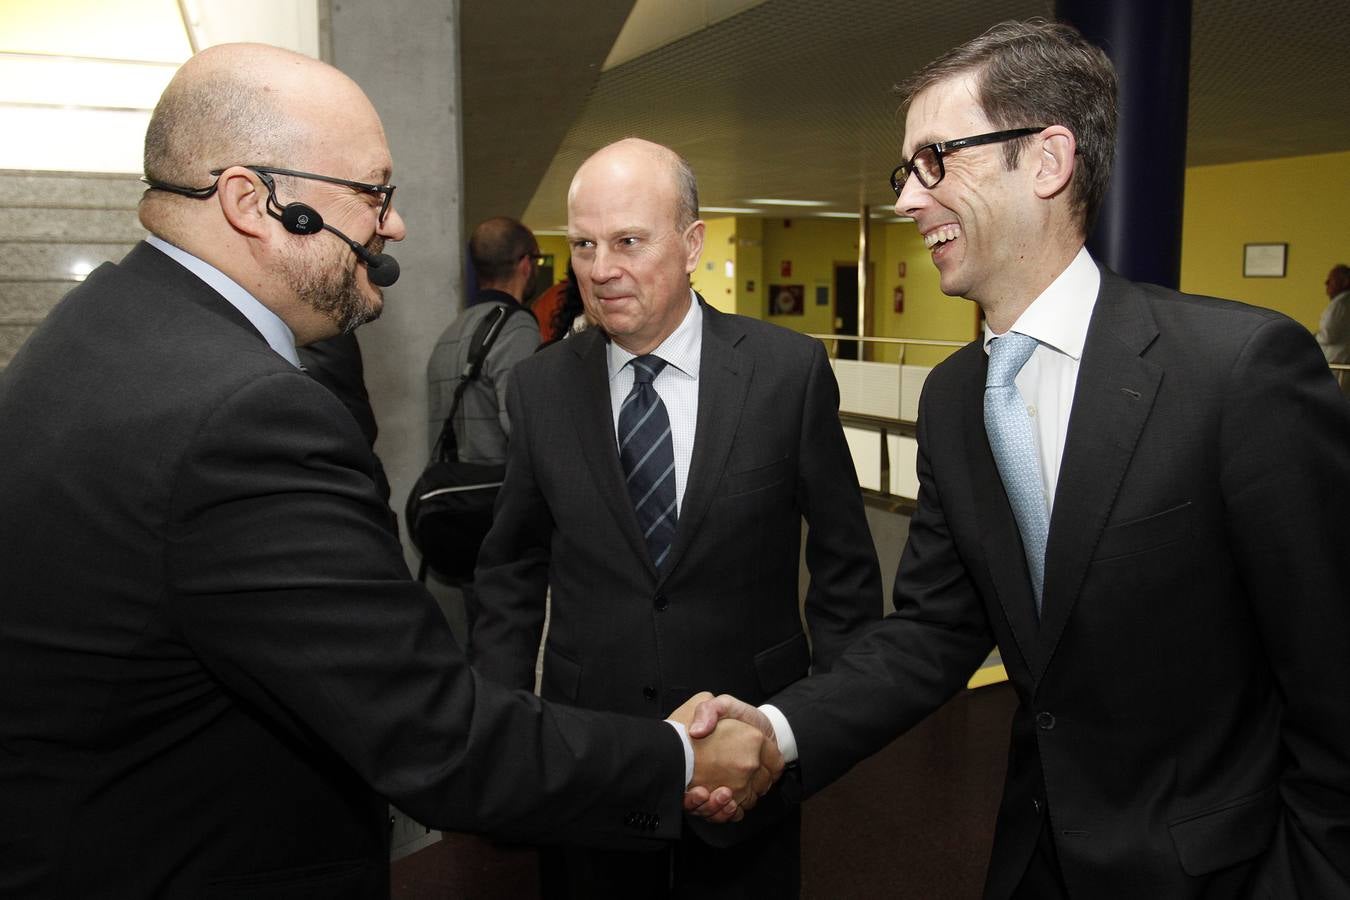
787, 299
1264, 260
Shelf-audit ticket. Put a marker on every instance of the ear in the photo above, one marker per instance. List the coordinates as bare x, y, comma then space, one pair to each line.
523, 266
243, 201
1055, 161
693, 245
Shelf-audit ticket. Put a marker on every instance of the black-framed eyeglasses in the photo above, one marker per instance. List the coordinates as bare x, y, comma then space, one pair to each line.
384, 191
926, 163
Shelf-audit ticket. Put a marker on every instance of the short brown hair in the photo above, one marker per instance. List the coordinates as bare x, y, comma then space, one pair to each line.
495, 247
1041, 73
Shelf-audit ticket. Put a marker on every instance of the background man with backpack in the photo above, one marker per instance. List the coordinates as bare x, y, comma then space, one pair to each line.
503, 253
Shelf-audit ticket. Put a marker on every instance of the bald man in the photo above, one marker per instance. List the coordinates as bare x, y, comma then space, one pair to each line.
672, 551
214, 669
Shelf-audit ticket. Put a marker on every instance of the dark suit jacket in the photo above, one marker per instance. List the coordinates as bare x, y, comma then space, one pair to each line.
724, 613
336, 364
213, 665
1184, 697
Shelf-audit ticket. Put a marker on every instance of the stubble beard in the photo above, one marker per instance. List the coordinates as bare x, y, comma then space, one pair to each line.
327, 284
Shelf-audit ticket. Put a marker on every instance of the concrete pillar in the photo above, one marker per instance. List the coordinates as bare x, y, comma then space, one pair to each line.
405, 55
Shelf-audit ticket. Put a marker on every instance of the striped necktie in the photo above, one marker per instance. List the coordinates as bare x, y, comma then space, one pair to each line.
648, 457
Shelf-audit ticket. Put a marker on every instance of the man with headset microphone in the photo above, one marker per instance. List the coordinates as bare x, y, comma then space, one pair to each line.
214, 668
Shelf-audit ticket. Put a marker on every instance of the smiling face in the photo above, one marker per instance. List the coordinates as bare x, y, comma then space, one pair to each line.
979, 221
631, 256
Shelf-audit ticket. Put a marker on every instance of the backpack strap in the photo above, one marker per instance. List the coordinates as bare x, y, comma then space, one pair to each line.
484, 336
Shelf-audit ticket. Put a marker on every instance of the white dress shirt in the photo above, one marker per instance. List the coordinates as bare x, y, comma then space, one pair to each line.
677, 386
1058, 319
268, 323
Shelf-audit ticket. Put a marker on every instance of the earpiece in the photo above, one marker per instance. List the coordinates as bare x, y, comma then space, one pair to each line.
300, 218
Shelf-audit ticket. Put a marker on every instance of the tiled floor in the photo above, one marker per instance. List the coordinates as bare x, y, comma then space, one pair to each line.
913, 821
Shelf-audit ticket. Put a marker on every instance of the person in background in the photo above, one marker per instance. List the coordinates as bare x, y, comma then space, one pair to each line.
560, 309
1137, 495
672, 550
1333, 330
503, 254
215, 671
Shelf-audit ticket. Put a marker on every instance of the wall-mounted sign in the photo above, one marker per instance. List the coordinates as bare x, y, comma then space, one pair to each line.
787, 299
1264, 260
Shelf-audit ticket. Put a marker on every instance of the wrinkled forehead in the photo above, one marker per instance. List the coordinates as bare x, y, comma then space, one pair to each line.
350, 136
613, 199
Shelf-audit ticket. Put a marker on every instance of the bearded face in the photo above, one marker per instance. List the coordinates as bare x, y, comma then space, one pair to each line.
323, 274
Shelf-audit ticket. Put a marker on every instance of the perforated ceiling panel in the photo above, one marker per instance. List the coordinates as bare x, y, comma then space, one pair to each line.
795, 98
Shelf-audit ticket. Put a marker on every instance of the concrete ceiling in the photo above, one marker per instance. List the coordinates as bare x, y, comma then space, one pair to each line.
794, 98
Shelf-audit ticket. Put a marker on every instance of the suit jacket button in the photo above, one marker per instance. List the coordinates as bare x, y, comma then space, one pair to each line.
1045, 721
630, 820
649, 692
662, 602
1036, 805
656, 821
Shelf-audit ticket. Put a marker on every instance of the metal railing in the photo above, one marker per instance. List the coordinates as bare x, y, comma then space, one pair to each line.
832, 341
884, 427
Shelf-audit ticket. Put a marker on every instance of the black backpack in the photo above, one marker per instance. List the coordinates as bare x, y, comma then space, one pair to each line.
449, 509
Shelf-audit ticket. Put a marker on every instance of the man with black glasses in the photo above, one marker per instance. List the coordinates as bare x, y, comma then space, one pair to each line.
1137, 495
214, 669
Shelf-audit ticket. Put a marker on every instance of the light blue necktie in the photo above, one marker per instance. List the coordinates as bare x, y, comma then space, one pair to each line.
1014, 445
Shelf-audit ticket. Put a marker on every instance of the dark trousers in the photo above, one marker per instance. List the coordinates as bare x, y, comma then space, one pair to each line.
765, 865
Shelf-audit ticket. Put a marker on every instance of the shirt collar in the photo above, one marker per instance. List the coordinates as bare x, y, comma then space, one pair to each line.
681, 349
1059, 317
268, 323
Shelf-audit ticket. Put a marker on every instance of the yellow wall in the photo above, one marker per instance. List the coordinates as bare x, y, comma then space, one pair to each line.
1300, 201
750, 267
928, 313
815, 245
812, 246
557, 245
710, 278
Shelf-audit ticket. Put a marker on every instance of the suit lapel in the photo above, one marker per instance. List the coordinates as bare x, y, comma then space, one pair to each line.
593, 418
723, 381
1112, 400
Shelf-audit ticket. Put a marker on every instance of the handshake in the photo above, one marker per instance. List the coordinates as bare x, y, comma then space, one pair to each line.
736, 757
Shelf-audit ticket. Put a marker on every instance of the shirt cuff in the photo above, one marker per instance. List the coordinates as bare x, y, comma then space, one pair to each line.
787, 742
688, 750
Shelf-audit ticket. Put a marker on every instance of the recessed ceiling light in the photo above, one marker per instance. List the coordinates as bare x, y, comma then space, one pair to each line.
728, 209
773, 202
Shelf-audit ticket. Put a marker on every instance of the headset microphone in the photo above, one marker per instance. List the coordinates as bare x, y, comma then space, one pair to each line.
381, 268
300, 218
